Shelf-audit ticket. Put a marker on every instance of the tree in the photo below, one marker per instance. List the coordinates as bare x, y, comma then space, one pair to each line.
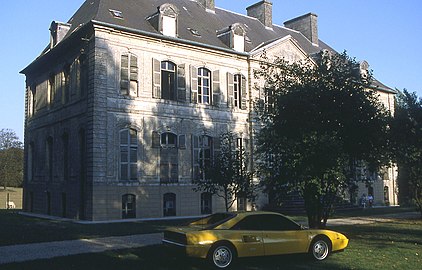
11, 159
228, 176
319, 119
406, 135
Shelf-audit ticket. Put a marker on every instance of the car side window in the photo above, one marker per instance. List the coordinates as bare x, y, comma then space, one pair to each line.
250, 223
278, 223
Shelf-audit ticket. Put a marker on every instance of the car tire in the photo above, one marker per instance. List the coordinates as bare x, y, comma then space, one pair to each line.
222, 255
320, 248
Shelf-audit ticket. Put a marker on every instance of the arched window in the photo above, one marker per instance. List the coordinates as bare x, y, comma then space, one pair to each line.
169, 166
204, 86
168, 81
128, 206
169, 204
128, 154
202, 155
206, 203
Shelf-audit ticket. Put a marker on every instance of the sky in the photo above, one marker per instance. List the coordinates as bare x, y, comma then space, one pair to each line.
385, 33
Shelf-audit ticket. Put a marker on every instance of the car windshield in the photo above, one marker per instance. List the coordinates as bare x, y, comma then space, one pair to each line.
212, 221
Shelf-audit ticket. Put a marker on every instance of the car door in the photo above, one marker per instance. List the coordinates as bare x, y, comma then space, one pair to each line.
283, 236
248, 234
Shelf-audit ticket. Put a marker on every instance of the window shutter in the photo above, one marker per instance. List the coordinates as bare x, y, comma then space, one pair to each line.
194, 84
181, 82
216, 92
156, 78
133, 75
124, 75
230, 89
244, 94
182, 141
156, 139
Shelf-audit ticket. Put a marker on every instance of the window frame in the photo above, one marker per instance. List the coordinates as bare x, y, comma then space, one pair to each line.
130, 149
165, 69
204, 98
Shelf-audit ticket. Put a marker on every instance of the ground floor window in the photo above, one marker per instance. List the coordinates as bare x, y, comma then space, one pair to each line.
128, 206
206, 203
169, 204
241, 203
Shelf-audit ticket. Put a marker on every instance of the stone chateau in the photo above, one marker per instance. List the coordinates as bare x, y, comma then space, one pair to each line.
130, 97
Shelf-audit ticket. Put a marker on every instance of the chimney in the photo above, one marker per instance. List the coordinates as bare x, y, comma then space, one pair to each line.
58, 31
208, 4
263, 11
306, 24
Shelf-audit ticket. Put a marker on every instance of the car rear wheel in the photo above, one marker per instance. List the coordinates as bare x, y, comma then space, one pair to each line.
320, 249
222, 256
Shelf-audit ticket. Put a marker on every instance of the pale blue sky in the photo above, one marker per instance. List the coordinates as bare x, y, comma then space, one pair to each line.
386, 33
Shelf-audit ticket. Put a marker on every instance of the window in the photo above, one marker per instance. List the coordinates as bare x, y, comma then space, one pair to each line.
236, 88
165, 20
168, 81
249, 223
128, 206
128, 154
82, 173
241, 203
169, 204
169, 25
129, 75
65, 84
51, 89
65, 140
206, 203
278, 223
49, 154
202, 155
238, 42
169, 167
204, 88
31, 160
237, 91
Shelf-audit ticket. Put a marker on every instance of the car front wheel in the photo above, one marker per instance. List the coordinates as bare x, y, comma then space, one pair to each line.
222, 256
320, 249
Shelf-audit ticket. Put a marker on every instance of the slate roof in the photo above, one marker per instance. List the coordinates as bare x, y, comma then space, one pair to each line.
191, 16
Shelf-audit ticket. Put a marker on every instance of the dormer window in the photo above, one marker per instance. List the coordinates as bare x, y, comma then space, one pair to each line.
233, 36
165, 20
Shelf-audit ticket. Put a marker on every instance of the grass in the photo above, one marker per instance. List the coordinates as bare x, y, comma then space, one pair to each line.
387, 245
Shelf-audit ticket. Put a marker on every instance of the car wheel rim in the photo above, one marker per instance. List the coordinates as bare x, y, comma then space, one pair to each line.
320, 250
222, 257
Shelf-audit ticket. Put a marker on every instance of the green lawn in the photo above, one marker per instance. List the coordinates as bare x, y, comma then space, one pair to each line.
387, 245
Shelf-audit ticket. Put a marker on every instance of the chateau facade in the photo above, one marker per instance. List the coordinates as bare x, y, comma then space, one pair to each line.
130, 98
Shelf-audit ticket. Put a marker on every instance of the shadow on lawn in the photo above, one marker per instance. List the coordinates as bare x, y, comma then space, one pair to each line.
160, 257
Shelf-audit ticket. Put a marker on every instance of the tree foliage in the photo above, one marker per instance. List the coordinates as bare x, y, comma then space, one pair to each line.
11, 159
318, 120
406, 131
229, 175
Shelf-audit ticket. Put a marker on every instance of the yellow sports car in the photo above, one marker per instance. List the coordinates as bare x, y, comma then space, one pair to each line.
223, 237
